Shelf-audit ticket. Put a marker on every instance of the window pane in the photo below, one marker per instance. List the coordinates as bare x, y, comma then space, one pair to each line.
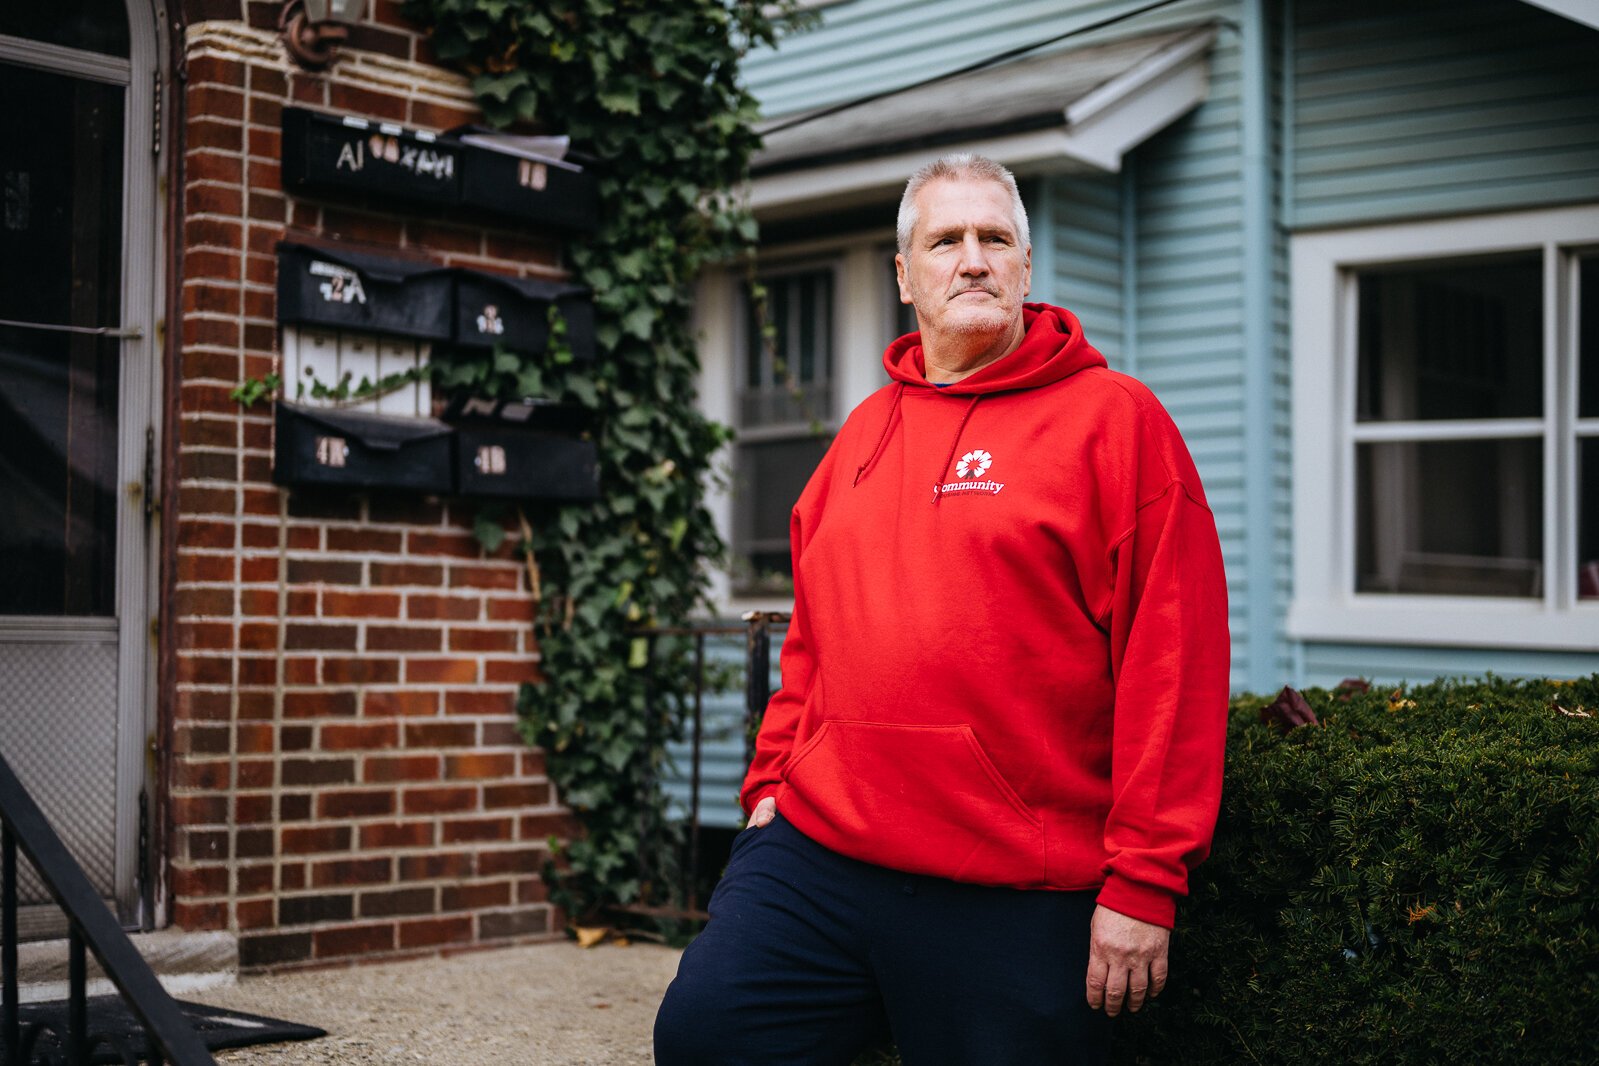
1458, 518
1463, 340
60, 265
1588, 518
771, 476
809, 292
794, 391
58, 447
94, 25
1588, 338
754, 344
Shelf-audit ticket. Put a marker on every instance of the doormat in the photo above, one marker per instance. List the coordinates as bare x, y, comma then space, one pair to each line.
218, 1027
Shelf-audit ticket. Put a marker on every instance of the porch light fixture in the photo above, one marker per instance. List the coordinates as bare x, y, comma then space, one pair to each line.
313, 29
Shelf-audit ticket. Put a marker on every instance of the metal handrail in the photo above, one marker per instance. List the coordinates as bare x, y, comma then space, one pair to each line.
170, 1037
757, 630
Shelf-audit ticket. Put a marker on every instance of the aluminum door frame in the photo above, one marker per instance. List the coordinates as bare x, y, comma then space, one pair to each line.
139, 430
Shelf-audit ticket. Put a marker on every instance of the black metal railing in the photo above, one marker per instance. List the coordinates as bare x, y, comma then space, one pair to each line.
169, 1037
757, 632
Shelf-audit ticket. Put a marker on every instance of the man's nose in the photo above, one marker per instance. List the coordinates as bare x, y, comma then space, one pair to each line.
974, 257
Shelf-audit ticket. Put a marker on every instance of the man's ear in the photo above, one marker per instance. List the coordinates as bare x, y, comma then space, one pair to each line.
1027, 263
899, 275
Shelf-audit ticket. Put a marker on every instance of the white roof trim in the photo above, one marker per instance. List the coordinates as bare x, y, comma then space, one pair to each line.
1100, 127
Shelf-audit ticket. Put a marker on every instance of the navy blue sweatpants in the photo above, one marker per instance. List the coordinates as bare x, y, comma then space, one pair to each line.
808, 955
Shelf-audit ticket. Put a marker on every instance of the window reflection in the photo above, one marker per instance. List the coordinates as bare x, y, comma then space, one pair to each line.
60, 266
92, 25
1452, 341
1458, 518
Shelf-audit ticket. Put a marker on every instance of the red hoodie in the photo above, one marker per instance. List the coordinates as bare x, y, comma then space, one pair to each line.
1008, 660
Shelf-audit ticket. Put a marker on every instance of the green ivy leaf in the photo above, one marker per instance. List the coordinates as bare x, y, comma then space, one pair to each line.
621, 102
639, 322
653, 92
499, 87
488, 528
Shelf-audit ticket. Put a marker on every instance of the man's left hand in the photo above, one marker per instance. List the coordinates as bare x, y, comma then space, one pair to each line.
1126, 961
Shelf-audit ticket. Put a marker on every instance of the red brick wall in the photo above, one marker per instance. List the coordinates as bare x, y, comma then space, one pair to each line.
345, 778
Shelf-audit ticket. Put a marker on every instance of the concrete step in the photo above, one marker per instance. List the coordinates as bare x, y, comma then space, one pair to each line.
184, 962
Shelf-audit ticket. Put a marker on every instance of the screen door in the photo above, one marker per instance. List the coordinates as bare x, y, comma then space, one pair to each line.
77, 372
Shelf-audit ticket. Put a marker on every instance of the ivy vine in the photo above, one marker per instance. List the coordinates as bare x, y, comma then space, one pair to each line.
651, 91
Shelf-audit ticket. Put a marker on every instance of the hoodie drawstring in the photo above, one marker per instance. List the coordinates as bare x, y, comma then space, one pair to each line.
954, 445
881, 437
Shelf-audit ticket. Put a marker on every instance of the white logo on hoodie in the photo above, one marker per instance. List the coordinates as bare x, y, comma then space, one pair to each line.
974, 463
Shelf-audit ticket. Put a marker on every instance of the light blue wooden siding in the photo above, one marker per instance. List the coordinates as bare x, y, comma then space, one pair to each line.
1082, 236
866, 46
1189, 345
1439, 107
1178, 266
1328, 664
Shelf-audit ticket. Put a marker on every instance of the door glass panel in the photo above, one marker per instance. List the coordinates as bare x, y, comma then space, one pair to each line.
60, 265
1588, 518
1460, 518
1588, 338
1459, 340
93, 25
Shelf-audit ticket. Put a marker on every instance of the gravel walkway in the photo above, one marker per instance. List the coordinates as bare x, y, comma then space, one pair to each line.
525, 1006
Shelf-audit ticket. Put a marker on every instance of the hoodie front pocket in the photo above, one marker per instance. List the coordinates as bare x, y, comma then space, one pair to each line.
920, 798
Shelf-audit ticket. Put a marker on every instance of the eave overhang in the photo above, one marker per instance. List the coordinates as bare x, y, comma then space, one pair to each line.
1079, 111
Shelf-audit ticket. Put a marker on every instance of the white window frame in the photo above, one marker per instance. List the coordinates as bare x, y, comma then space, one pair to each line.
863, 316
827, 420
1325, 605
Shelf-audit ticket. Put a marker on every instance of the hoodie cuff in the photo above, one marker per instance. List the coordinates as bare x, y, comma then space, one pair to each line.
1153, 905
754, 798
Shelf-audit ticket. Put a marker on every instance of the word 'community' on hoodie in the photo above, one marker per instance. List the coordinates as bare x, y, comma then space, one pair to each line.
1008, 659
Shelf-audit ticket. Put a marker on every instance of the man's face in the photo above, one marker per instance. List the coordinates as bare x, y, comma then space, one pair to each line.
967, 271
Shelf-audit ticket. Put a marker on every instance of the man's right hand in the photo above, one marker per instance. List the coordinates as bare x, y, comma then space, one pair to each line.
764, 812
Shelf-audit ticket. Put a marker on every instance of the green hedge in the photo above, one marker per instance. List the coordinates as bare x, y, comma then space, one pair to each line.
1413, 880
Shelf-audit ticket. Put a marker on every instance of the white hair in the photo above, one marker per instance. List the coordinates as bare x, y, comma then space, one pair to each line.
959, 165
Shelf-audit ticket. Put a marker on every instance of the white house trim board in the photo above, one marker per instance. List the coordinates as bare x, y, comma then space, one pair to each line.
1108, 122
1324, 607
714, 311
803, 192
73, 62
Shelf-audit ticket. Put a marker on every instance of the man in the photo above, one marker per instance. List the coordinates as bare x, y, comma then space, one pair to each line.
997, 749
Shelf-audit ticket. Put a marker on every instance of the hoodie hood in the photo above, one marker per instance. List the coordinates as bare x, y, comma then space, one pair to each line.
1053, 347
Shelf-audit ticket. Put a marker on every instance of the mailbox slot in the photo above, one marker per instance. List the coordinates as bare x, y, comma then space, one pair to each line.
355, 291
523, 449
334, 153
492, 309
499, 177
354, 449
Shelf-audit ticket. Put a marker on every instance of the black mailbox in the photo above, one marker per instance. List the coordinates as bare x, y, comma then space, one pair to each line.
493, 309
524, 449
350, 290
356, 449
341, 152
500, 177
